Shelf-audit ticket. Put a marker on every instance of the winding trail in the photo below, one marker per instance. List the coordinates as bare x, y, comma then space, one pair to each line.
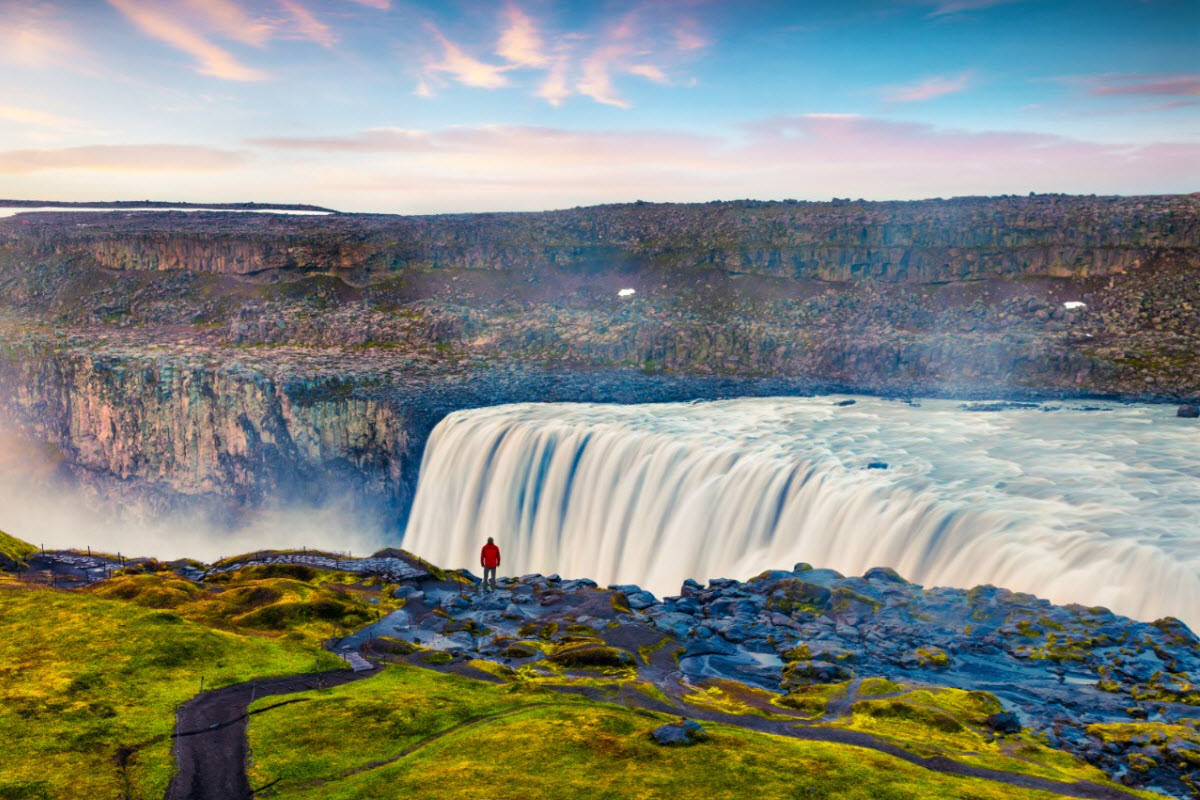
211, 749
210, 734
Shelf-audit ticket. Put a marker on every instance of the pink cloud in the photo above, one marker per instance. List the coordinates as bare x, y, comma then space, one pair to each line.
375, 140
1186, 85
230, 20
928, 88
555, 88
687, 39
521, 42
160, 23
152, 158
37, 118
308, 26
505, 167
380, 5
810, 156
596, 81
649, 72
466, 69
35, 36
648, 42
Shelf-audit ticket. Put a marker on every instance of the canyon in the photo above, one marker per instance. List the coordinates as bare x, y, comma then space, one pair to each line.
224, 361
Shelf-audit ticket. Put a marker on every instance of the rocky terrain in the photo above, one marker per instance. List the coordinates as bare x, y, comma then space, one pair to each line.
226, 359
984, 682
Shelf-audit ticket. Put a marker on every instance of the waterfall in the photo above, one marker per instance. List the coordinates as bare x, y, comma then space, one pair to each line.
1097, 506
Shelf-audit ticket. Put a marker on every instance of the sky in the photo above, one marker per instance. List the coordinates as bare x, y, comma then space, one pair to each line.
459, 105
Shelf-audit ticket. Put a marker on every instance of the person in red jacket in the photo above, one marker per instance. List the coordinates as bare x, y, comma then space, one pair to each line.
489, 559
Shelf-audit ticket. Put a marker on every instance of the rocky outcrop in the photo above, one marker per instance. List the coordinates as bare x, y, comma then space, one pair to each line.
832, 650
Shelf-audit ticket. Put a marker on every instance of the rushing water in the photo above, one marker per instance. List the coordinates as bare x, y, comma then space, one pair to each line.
1100, 507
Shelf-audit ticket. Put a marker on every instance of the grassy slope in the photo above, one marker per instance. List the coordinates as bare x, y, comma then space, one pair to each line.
13, 548
299, 604
549, 745
82, 677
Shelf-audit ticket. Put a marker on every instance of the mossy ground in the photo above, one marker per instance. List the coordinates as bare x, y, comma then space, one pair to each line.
467, 738
292, 601
14, 549
84, 678
953, 723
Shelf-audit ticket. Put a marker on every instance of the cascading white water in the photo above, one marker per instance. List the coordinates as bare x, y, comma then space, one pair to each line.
1098, 507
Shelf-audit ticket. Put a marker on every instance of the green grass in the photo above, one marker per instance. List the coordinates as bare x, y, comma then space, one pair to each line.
82, 677
512, 741
952, 723
292, 601
14, 549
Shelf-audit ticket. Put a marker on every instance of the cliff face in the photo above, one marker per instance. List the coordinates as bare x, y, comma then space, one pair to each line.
195, 430
246, 358
926, 241
221, 255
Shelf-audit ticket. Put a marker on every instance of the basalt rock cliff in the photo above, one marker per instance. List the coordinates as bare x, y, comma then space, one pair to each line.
927, 241
243, 357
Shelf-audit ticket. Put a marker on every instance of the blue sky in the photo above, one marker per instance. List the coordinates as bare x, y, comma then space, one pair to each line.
388, 105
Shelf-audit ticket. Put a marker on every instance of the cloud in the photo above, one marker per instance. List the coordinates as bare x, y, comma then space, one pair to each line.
374, 140
687, 39
812, 156
229, 19
949, 7
308, 26
649, 72
649, 41
928, 88
1184, 85
151, 158
36, 118
35, 36
159, 23
465, 69
555, 88
514, 168
521, 42
380, 5
597, 81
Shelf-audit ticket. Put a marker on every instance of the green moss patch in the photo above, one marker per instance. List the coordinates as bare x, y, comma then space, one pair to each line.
83, 677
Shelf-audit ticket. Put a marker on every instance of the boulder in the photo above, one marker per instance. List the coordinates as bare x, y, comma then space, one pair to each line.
679, 734
1004, 722
1188, 411
884, 575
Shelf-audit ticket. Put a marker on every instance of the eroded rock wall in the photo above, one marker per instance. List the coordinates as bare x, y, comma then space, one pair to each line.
195, 430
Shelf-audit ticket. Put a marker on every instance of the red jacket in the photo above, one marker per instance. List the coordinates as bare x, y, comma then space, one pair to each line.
490, 557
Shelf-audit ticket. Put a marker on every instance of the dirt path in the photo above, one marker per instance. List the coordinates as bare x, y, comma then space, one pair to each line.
211, 747
210, 734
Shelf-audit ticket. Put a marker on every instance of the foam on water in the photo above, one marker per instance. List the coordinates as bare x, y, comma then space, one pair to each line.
1098, 507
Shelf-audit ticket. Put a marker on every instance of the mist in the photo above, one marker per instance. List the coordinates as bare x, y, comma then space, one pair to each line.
42, 503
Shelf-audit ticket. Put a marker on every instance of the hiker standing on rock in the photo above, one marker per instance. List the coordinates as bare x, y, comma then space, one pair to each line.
489, 559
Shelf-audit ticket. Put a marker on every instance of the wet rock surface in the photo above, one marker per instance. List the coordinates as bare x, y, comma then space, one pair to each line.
1081, 679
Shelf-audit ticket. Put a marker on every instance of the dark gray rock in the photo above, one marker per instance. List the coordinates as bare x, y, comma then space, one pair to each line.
1004, 722
1188, 411
679, 734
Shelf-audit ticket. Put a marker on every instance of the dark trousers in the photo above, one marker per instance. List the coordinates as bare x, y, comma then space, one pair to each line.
486, 572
